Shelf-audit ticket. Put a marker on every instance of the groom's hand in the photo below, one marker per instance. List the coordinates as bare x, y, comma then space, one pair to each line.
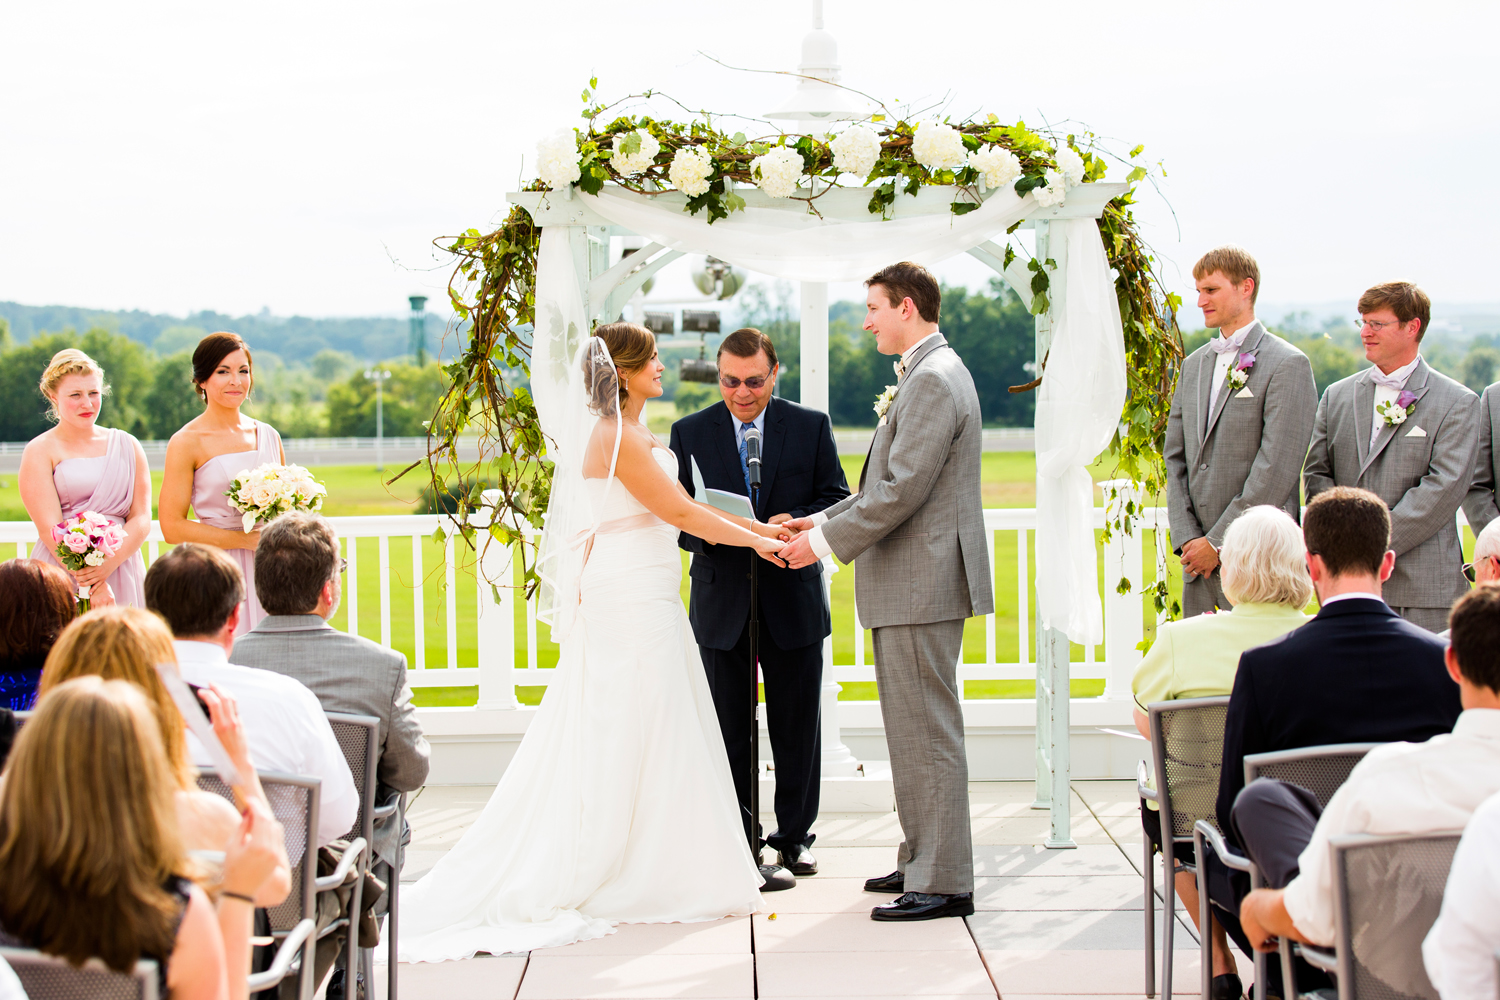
798, 552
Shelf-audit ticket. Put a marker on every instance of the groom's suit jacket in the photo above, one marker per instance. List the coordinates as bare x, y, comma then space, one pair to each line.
800, 475
1479, 506
1248, 450
917, 523
1421, 469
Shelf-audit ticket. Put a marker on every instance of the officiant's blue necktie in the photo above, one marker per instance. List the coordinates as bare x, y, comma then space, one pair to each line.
744, 457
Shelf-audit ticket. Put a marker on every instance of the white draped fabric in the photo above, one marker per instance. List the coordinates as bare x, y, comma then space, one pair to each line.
1080, 398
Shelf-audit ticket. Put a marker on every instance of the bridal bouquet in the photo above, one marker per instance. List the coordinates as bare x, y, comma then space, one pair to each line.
268, 491
83, 541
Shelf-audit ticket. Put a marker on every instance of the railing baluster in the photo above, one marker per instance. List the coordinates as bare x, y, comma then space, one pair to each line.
1023, 601
384, 548
351, 583
530, 634
151, 551
418, 603
450, 601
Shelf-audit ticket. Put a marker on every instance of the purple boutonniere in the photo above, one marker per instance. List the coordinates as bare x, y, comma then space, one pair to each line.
1395, 414
1406, 398
1237, 376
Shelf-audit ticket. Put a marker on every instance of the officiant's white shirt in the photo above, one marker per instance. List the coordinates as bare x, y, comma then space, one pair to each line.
1386, 394
285, 730
1223, 361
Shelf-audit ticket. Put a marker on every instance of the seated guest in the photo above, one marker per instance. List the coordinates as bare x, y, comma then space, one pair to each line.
120, 642
1397, 788
1486, 565
198, 590
36, 604
1356, 673
94, 864
1263, 569
1460, 948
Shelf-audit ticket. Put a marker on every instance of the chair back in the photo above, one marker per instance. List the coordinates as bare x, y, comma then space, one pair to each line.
294, 803
1387, 893
1187, 742
1320, 770
47, 977
359, 738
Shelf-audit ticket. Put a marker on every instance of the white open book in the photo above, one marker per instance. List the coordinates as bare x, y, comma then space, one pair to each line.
729, 503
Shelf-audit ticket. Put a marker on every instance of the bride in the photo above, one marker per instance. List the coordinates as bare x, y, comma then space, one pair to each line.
618, 806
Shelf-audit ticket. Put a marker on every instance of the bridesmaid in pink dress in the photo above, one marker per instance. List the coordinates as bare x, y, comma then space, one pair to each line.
209, 452
78, 466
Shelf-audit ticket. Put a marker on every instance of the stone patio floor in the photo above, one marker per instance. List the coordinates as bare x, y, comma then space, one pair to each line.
1048, 923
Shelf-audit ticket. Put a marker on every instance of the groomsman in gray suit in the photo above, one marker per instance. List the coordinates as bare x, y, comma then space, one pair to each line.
1409, 435
915, 532
1479, 506
1238, 428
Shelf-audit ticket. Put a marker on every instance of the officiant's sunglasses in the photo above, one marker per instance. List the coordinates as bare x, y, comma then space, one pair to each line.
1469, 567
754, 382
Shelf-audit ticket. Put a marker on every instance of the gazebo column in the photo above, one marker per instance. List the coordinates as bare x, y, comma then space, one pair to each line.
814, 362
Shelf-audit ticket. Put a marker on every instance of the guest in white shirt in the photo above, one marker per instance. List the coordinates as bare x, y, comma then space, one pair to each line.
1460, 949
1397, 788
198, 590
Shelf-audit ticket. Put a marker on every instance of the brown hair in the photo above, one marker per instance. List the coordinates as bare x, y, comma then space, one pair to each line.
68, 361
1350, 529
194, 588
213, 349
747, 342
1474, 632
121, 643
1234, 263
88, 828
1403, 298
298, 552
630, 347
910, 281
36, 604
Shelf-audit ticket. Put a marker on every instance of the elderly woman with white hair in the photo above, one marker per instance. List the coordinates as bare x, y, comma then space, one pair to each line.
1264, 572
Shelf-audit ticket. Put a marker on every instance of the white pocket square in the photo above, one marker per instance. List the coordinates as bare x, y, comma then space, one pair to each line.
1416, 432
1244, 393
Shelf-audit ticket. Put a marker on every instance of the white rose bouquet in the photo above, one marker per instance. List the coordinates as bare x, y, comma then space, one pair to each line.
268, 491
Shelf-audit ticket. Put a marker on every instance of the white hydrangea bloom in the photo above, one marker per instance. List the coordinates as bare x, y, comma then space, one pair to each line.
630, 164
1070, 165
938, 146
855, 150
1053, 193
557, 159
690, 169
997, 166
778, 171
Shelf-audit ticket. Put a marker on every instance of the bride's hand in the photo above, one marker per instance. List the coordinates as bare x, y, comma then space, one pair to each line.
767, 549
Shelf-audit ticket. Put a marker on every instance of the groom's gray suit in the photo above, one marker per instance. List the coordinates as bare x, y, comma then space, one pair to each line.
915, 531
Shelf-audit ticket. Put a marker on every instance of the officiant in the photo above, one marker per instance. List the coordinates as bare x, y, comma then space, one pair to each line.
800, 475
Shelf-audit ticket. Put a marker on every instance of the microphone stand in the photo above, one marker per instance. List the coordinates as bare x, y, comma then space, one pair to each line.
776, 878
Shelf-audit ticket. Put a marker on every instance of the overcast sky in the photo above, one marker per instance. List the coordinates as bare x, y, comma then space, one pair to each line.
302, 157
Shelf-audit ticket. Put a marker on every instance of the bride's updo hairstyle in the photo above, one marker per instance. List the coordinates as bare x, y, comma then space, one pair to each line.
213, 349
69, 361
630, 347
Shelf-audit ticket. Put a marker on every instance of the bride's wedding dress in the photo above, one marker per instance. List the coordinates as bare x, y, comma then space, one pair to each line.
618, 806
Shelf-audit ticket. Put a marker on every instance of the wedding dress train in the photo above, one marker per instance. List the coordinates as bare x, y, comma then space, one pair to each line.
618, 806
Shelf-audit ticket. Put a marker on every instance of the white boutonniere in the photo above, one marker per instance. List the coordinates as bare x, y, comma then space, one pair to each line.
1239, 374
1395, 413
883, 402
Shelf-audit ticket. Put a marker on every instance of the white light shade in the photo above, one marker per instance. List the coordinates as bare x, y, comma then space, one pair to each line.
818, 99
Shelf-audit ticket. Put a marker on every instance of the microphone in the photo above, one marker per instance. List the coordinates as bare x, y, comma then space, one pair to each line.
752, 455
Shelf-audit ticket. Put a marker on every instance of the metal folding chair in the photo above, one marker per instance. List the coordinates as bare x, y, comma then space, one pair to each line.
1387, 891
1187, 745
47, 977
1320, 770
359, 738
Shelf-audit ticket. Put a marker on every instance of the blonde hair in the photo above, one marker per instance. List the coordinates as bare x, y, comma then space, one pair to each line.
68, 361
1264, 560
88, 828
125, 644
1234, 263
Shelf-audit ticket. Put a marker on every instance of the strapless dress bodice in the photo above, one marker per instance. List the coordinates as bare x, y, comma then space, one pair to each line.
616, 500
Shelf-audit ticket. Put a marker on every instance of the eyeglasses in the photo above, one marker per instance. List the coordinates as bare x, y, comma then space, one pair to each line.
754, 382
343, 565
1470, 569
1377, 327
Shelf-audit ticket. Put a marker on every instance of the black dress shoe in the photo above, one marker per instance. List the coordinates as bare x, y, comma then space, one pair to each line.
1226, 987
894, 882
925, 906
797, 859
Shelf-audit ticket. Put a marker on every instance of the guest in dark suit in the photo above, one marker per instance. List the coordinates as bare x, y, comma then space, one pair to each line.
1357, 673
800, 475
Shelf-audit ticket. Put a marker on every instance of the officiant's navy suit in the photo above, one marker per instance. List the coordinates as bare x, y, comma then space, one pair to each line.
800, 475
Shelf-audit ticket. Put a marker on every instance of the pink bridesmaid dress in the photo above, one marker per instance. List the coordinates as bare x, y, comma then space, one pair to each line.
210, 481
104, 484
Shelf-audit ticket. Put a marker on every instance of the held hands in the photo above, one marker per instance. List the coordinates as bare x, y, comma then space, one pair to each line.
1199, 557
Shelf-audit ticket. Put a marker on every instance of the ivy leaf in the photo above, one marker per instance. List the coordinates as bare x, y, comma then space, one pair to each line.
738, 139
631, 144
1039, 302
964, 208
1137, 151
733, 202
1139, 173
1010, 255
1030, 182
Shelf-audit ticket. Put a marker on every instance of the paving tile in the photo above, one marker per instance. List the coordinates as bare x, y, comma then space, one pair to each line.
1059, 892
1076, 930
855, 932
442, 813
638, 977
1033, 859
480, 978
730, 936
1095, 974
851, 862
824, 895
867, 974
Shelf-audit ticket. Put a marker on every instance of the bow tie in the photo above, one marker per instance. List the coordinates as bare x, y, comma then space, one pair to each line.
1389, 381
1219, 345
900, 367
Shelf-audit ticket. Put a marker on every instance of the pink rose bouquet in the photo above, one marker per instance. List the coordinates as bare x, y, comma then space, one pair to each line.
86, 540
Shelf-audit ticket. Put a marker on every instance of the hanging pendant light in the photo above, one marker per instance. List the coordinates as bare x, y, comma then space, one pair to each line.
815, 98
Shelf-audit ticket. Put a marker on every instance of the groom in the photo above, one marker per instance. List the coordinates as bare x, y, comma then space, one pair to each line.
916, 534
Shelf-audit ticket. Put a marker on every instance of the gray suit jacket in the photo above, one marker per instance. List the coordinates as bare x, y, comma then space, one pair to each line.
1422, 477
353, 675
1249, 450
916, 526
1479, 506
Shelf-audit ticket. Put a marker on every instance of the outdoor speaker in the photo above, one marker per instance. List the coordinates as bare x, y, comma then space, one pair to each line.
660, 323
699, 370
700, 321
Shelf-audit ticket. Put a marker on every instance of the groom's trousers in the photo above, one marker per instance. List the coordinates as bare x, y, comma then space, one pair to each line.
794, 686
916, 671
